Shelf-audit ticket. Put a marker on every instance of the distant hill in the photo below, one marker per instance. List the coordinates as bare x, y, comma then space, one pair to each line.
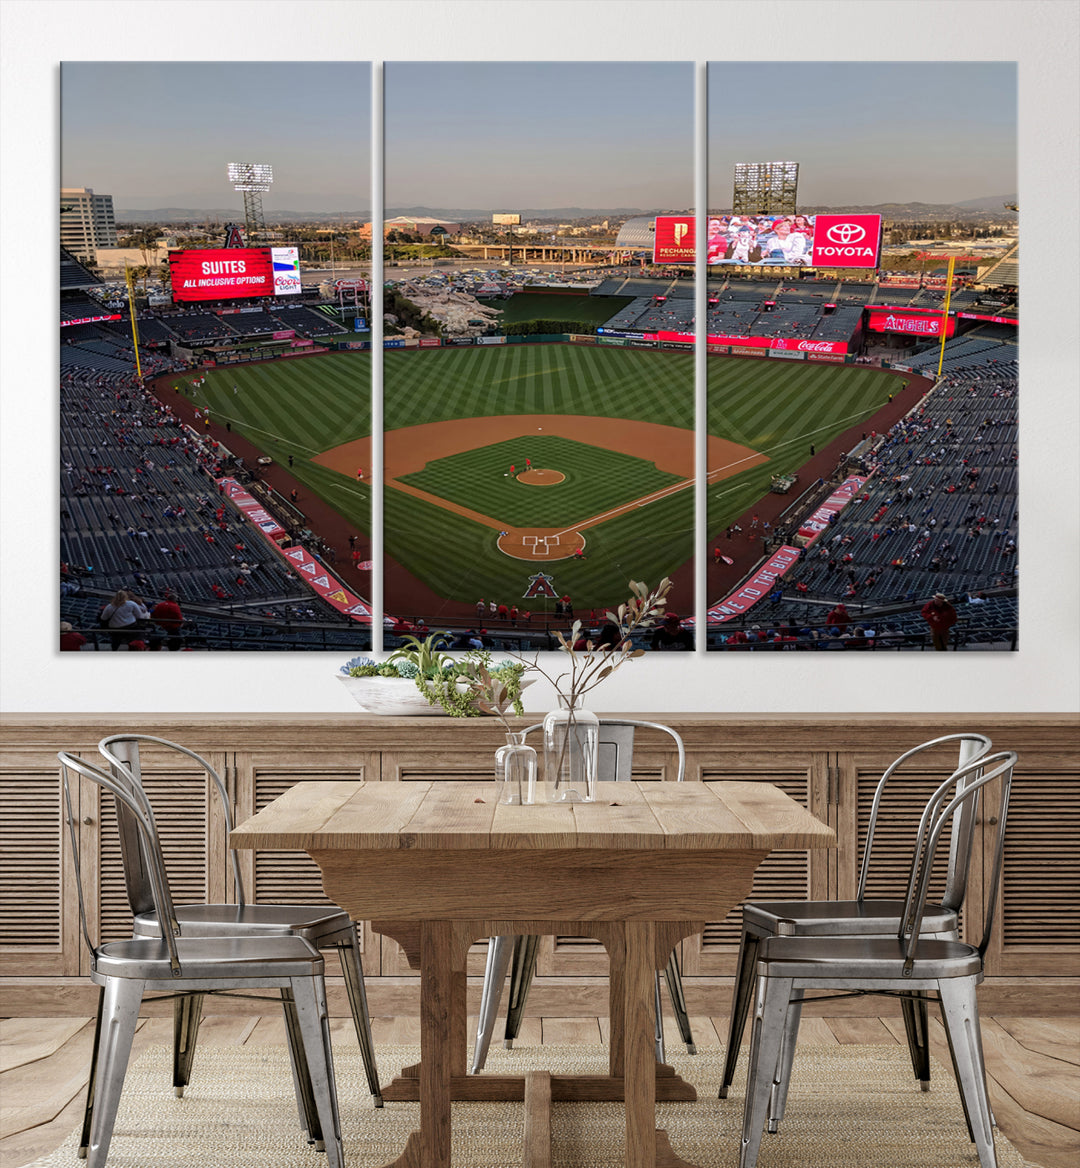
229, 215
988, 207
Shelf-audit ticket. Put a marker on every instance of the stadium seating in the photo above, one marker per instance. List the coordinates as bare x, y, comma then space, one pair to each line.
938, 514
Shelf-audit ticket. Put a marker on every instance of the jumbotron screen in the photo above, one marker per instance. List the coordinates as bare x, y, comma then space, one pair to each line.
810, 241
234, 272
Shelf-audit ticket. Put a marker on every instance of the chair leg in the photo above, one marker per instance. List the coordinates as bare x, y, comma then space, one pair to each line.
522, 968
779, 1093
498, 959
767, 1036
309, 996
745, 975
88, 1110
960, 1011
658, 1017
673, 975
187, 1014
353, 970
120, 1016
301, 1077
918, 1036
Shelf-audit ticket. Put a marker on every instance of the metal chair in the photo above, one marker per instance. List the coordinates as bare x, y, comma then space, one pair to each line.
173, 964
321, 925
860, 917
908, 963
518, 953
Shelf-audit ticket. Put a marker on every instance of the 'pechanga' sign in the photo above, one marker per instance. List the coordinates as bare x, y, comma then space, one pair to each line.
818, 241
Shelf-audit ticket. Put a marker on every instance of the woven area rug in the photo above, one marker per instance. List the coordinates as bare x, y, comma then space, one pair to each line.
849, 1107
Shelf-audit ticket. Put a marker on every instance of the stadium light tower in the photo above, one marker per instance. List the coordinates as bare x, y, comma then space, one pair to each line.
765, 188
253, 178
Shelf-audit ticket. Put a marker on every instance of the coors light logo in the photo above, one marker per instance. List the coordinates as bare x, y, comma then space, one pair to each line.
847, 241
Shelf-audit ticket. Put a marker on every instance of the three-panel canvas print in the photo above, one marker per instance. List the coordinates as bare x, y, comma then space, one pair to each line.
467, 373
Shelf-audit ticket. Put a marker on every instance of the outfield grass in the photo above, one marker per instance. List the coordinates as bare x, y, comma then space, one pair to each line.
782, 408
305, 406
597, 480
300, 407
538, 379
533, 306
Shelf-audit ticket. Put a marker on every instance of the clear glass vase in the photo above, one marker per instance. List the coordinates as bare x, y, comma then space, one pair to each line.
571, 741
515, 770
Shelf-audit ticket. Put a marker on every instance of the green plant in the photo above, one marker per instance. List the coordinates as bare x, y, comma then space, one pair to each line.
493, 689
465, 687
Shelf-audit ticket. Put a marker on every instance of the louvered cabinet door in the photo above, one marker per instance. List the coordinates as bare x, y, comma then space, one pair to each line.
39, 911
281, 877
782, 875
1037, 924
190, 828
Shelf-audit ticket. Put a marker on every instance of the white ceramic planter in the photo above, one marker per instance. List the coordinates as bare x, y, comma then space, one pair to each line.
394, 696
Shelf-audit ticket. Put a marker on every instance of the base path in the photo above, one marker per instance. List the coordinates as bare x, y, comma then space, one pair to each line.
411, 448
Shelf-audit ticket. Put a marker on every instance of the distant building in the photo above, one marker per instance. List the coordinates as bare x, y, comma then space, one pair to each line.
418, 225
87, 222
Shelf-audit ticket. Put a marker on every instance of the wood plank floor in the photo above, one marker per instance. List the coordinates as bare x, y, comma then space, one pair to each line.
1033, 1066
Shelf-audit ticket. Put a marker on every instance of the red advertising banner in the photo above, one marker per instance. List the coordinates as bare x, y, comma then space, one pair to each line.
221, 273
760, 344
89, 319
756, 588
673, 239
833, 505
328, 586
886, 320
227, 273
283, 335
1014, 320
846, 241
252, 510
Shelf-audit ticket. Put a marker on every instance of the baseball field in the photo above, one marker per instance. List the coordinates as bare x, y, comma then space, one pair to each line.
504, 461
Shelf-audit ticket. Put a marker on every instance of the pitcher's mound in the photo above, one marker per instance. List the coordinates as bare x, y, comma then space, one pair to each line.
541, 478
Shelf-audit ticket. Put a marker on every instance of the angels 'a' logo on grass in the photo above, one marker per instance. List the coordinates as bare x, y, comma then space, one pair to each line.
540, 585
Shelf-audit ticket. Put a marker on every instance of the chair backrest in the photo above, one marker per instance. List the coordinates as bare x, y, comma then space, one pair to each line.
615, 755
121, 752
140, 817
960, 791
972, 747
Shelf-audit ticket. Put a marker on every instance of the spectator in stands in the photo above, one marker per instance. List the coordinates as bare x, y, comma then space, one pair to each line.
167, 616
70, 640
940, 615
838, 618
123, 616
671, 637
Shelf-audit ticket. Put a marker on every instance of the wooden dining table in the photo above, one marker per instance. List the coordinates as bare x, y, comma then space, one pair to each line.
437, 865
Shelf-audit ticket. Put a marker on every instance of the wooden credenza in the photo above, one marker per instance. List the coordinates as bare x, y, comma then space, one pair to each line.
828, 763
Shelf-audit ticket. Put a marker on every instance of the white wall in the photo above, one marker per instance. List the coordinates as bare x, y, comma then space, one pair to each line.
1042, 35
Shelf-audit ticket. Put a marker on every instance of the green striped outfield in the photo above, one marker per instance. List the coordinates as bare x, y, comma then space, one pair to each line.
305, 406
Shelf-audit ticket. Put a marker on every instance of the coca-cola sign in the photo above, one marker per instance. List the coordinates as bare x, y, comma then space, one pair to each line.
847, 241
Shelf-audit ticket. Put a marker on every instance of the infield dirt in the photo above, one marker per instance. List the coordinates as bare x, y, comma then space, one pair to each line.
411, 448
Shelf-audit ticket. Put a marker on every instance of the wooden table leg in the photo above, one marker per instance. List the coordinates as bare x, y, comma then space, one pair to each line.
639, 1055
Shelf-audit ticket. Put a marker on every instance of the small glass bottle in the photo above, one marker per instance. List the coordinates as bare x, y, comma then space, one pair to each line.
571, 744
515, 770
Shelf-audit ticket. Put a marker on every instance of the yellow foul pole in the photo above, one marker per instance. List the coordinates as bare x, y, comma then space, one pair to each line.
945, 313
131, 311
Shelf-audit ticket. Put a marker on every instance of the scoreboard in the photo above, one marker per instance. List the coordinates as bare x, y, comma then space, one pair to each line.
233, 273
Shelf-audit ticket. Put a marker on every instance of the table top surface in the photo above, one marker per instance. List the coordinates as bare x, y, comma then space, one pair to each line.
317, 815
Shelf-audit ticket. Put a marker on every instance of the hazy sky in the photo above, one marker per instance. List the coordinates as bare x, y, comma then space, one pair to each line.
161, 134
867, 132
540, 134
